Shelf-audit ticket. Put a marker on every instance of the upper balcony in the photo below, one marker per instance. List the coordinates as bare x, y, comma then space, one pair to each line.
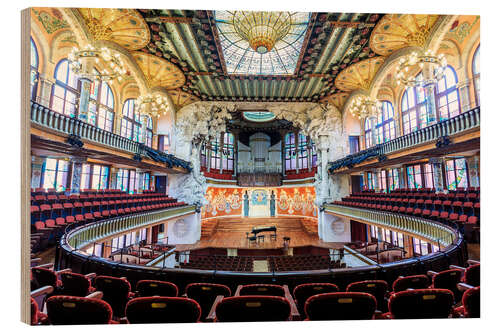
458, 134
59, 133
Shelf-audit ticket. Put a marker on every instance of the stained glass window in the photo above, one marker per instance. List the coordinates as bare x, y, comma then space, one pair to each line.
228, 152
414, 174
385, 127
129, 126
368, 133
290, 160
414, 108
34, 69
101, 105
66, 90
303, 152
55, 175
456, 174
428, 176
86, 175
100, 175
240, 58
122, 180
382, 180
215, 154
448, 102
476, 75
393, 179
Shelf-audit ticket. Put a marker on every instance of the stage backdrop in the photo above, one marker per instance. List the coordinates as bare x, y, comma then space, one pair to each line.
260, 202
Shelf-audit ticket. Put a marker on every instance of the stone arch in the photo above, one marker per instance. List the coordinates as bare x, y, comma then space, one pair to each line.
42, 46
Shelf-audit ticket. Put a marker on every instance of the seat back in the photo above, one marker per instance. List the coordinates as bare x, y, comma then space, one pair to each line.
411, 281
115, 292
421, 304
253, 308
44, 277
147, 288
340, 306
74, 284
205, 294
447, 279
262, 289
72, 310
302, 292
471, 302
376, 288
472, 275
159, 309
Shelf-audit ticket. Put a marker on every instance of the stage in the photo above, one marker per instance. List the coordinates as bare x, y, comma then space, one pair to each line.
230, 233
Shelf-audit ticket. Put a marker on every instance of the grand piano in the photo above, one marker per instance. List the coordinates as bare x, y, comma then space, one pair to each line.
256, 230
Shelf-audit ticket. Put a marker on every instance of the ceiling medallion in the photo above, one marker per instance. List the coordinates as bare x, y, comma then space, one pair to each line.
262, 29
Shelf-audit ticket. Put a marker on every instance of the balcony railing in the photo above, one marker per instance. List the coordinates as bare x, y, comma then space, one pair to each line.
436, 233
88, 234
463, 122
78, 129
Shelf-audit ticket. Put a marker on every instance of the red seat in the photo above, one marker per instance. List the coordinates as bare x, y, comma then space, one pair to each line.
376, 288
145, 310
302, 292
116, 292
72, 310
147, 288
262, 289
421, 304
253, 308
205, 294
413, 281
340, 306
74, 284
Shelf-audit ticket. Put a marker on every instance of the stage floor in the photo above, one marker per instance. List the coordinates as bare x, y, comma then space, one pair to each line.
231, 233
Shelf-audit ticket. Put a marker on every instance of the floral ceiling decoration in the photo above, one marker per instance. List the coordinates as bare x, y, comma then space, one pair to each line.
359, 75
159, 72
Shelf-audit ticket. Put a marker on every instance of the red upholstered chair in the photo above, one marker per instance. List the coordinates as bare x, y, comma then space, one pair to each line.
205, 294
144, 310
376, 288
262, 289
74, 284
73, 310
116, 292
147, 288
37, 317
45, 277
302, 292
253, 308
447, 279
471, 303
421, 304
340, 306
411, 282
472, 275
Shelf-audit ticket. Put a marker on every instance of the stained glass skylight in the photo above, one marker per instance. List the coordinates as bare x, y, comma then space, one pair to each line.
240, 58
259, 116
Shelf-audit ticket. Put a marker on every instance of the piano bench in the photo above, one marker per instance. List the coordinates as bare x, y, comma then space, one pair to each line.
261, 238
272, 237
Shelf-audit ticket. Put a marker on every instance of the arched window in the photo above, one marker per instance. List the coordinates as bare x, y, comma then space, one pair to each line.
66, 90
34, 69
101, 106
131, 125
290, 160
149, 131
475, 75
303, 152
228, 152
368, 133
414, 109
215, 154
447, 100
385, 127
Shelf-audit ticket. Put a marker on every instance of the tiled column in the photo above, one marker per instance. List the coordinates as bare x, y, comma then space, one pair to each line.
83, 105
437, 173
432, 114
144, 127
376, 184
402, 177
37, 163
474, 170
76, 175
45, 90
463, 92
114, 178
373, 133
139, 173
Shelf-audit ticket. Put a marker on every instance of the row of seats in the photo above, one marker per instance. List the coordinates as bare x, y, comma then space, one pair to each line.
473, 196
296, 263
222, 263
470, 189
73, 299
51, 198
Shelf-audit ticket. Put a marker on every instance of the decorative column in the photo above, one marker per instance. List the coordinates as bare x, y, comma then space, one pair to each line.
402, 177
296, 151
37, 166
235, 153
209, 156
46, 84
144, 127
83, 105
221, 150
76, 174
430, 101
463, 92
474, 170
376, 184
373, 133
323, 194
113, 178
283, 153
139, 173
309, 154
437, 173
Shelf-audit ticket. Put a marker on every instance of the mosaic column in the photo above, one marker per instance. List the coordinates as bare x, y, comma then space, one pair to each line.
114, 178
474, 170
430, 101
376, 184
83, 105
437, 173
323, 168
76, 175
463, 92
37, 166
45, 90
235, 153
373, 132
402, 177
140, 179
144, 132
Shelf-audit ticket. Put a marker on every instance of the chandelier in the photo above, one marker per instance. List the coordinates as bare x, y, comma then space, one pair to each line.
363, 106
432, 68
152, 104
82, 62
262, 30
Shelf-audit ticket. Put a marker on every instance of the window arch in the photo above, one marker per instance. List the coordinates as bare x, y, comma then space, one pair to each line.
368, 133
130, 124
476, 74
101, 105
385, 127
414, 108
34, 69
447, 100
66, 90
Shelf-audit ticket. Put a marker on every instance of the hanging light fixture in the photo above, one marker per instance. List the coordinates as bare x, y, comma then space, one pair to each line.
262, 30
153, 104
432, 68
82, 63
364, 106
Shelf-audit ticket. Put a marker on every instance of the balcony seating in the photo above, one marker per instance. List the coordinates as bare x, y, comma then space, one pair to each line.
72, 310
158, 309
411, 282
42, 276
447, 279
148, 288
340, 306
262, 289
116, 292
253, 308
205, 294
74, 284
302, 292
420, 304
376, 288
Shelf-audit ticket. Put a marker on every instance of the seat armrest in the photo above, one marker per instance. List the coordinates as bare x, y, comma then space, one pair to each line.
473, 262
294, 313
66, 270
238, 289
42, 291
431, 273
211, 315
464, 286
36, 260
48, 266
95, 294
458, 267
91, 276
